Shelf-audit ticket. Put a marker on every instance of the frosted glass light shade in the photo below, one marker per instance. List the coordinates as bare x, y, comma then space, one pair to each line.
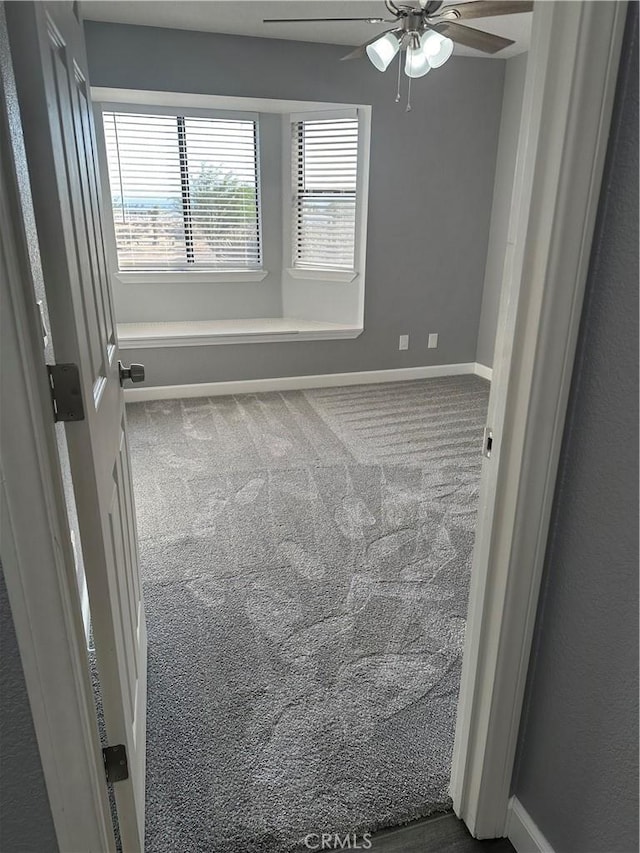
437, 49
382, 51
416, 63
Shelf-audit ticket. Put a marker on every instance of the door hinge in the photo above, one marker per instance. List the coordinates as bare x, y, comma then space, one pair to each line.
116, 766
66, 392
487, 442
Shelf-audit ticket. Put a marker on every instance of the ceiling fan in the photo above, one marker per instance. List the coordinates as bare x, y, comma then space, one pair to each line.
426, 32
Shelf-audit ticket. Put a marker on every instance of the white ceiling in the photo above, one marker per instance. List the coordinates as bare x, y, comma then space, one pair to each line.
244, 17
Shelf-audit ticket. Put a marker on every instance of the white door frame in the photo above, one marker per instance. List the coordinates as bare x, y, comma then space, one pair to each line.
568, 101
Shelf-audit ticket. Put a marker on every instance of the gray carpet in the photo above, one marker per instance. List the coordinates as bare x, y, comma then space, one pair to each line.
305, 558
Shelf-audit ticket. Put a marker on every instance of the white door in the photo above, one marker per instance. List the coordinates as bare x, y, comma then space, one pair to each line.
48, 50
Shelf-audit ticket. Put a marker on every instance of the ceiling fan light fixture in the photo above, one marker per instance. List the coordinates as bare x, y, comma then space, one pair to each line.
436, 48
416, 63
382, 51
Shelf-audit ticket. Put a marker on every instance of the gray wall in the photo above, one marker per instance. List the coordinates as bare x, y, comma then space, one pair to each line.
516, 69
578, 759
431, 188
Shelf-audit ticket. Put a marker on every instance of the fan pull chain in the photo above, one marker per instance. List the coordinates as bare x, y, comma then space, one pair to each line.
409, 107
399, 75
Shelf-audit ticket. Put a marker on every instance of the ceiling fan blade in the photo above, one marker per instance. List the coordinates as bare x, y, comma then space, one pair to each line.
470, 37
488, 8
321, 20
430, 6
361, 52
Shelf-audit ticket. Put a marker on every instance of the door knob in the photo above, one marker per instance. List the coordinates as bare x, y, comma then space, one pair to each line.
135, 372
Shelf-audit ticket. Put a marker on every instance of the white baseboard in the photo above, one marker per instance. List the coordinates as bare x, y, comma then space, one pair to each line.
522, 832
483, 371
297, 383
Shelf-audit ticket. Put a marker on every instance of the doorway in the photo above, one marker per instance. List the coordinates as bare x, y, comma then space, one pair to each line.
606, 56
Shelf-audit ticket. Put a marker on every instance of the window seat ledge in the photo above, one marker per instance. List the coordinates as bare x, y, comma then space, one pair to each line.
189, 276
210, 332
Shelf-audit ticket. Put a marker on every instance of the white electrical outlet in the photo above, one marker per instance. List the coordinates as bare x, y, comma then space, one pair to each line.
433, 341
403, 342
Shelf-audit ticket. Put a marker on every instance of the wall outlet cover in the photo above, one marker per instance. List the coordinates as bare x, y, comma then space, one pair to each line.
403, 342
433, 340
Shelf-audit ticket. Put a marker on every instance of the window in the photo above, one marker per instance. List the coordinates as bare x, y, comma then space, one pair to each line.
184, 192
233, 218
325, 167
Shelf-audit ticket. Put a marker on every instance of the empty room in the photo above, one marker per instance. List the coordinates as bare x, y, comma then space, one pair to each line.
305, 553
292, 311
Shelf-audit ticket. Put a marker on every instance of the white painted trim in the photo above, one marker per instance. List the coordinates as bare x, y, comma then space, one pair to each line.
244, 338
568, 99
37, 556
483, 371
196, 333
324, 115
143, 108
105, 95
296, 383
322, 275
523, 832
189, 276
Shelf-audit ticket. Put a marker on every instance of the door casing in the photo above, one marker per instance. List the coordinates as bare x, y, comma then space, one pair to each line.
569, 94
568, 101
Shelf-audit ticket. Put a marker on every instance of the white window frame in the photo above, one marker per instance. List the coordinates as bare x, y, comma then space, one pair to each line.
195, 276
363, 114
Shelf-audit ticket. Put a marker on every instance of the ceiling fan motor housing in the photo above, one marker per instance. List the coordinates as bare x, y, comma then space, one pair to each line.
414, 22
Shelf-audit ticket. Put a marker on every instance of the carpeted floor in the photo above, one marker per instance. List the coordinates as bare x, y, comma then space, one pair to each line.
305, 558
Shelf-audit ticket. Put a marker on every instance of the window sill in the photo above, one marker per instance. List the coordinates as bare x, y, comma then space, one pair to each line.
191, 333
322, 275
190, 277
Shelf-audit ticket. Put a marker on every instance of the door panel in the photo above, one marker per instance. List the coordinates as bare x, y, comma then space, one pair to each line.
51, 75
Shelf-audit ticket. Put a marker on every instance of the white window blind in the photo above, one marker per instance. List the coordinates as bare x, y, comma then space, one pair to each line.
325, 166
184, 192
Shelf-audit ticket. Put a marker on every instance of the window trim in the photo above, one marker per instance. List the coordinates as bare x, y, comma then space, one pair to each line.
322, 273
202, 275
